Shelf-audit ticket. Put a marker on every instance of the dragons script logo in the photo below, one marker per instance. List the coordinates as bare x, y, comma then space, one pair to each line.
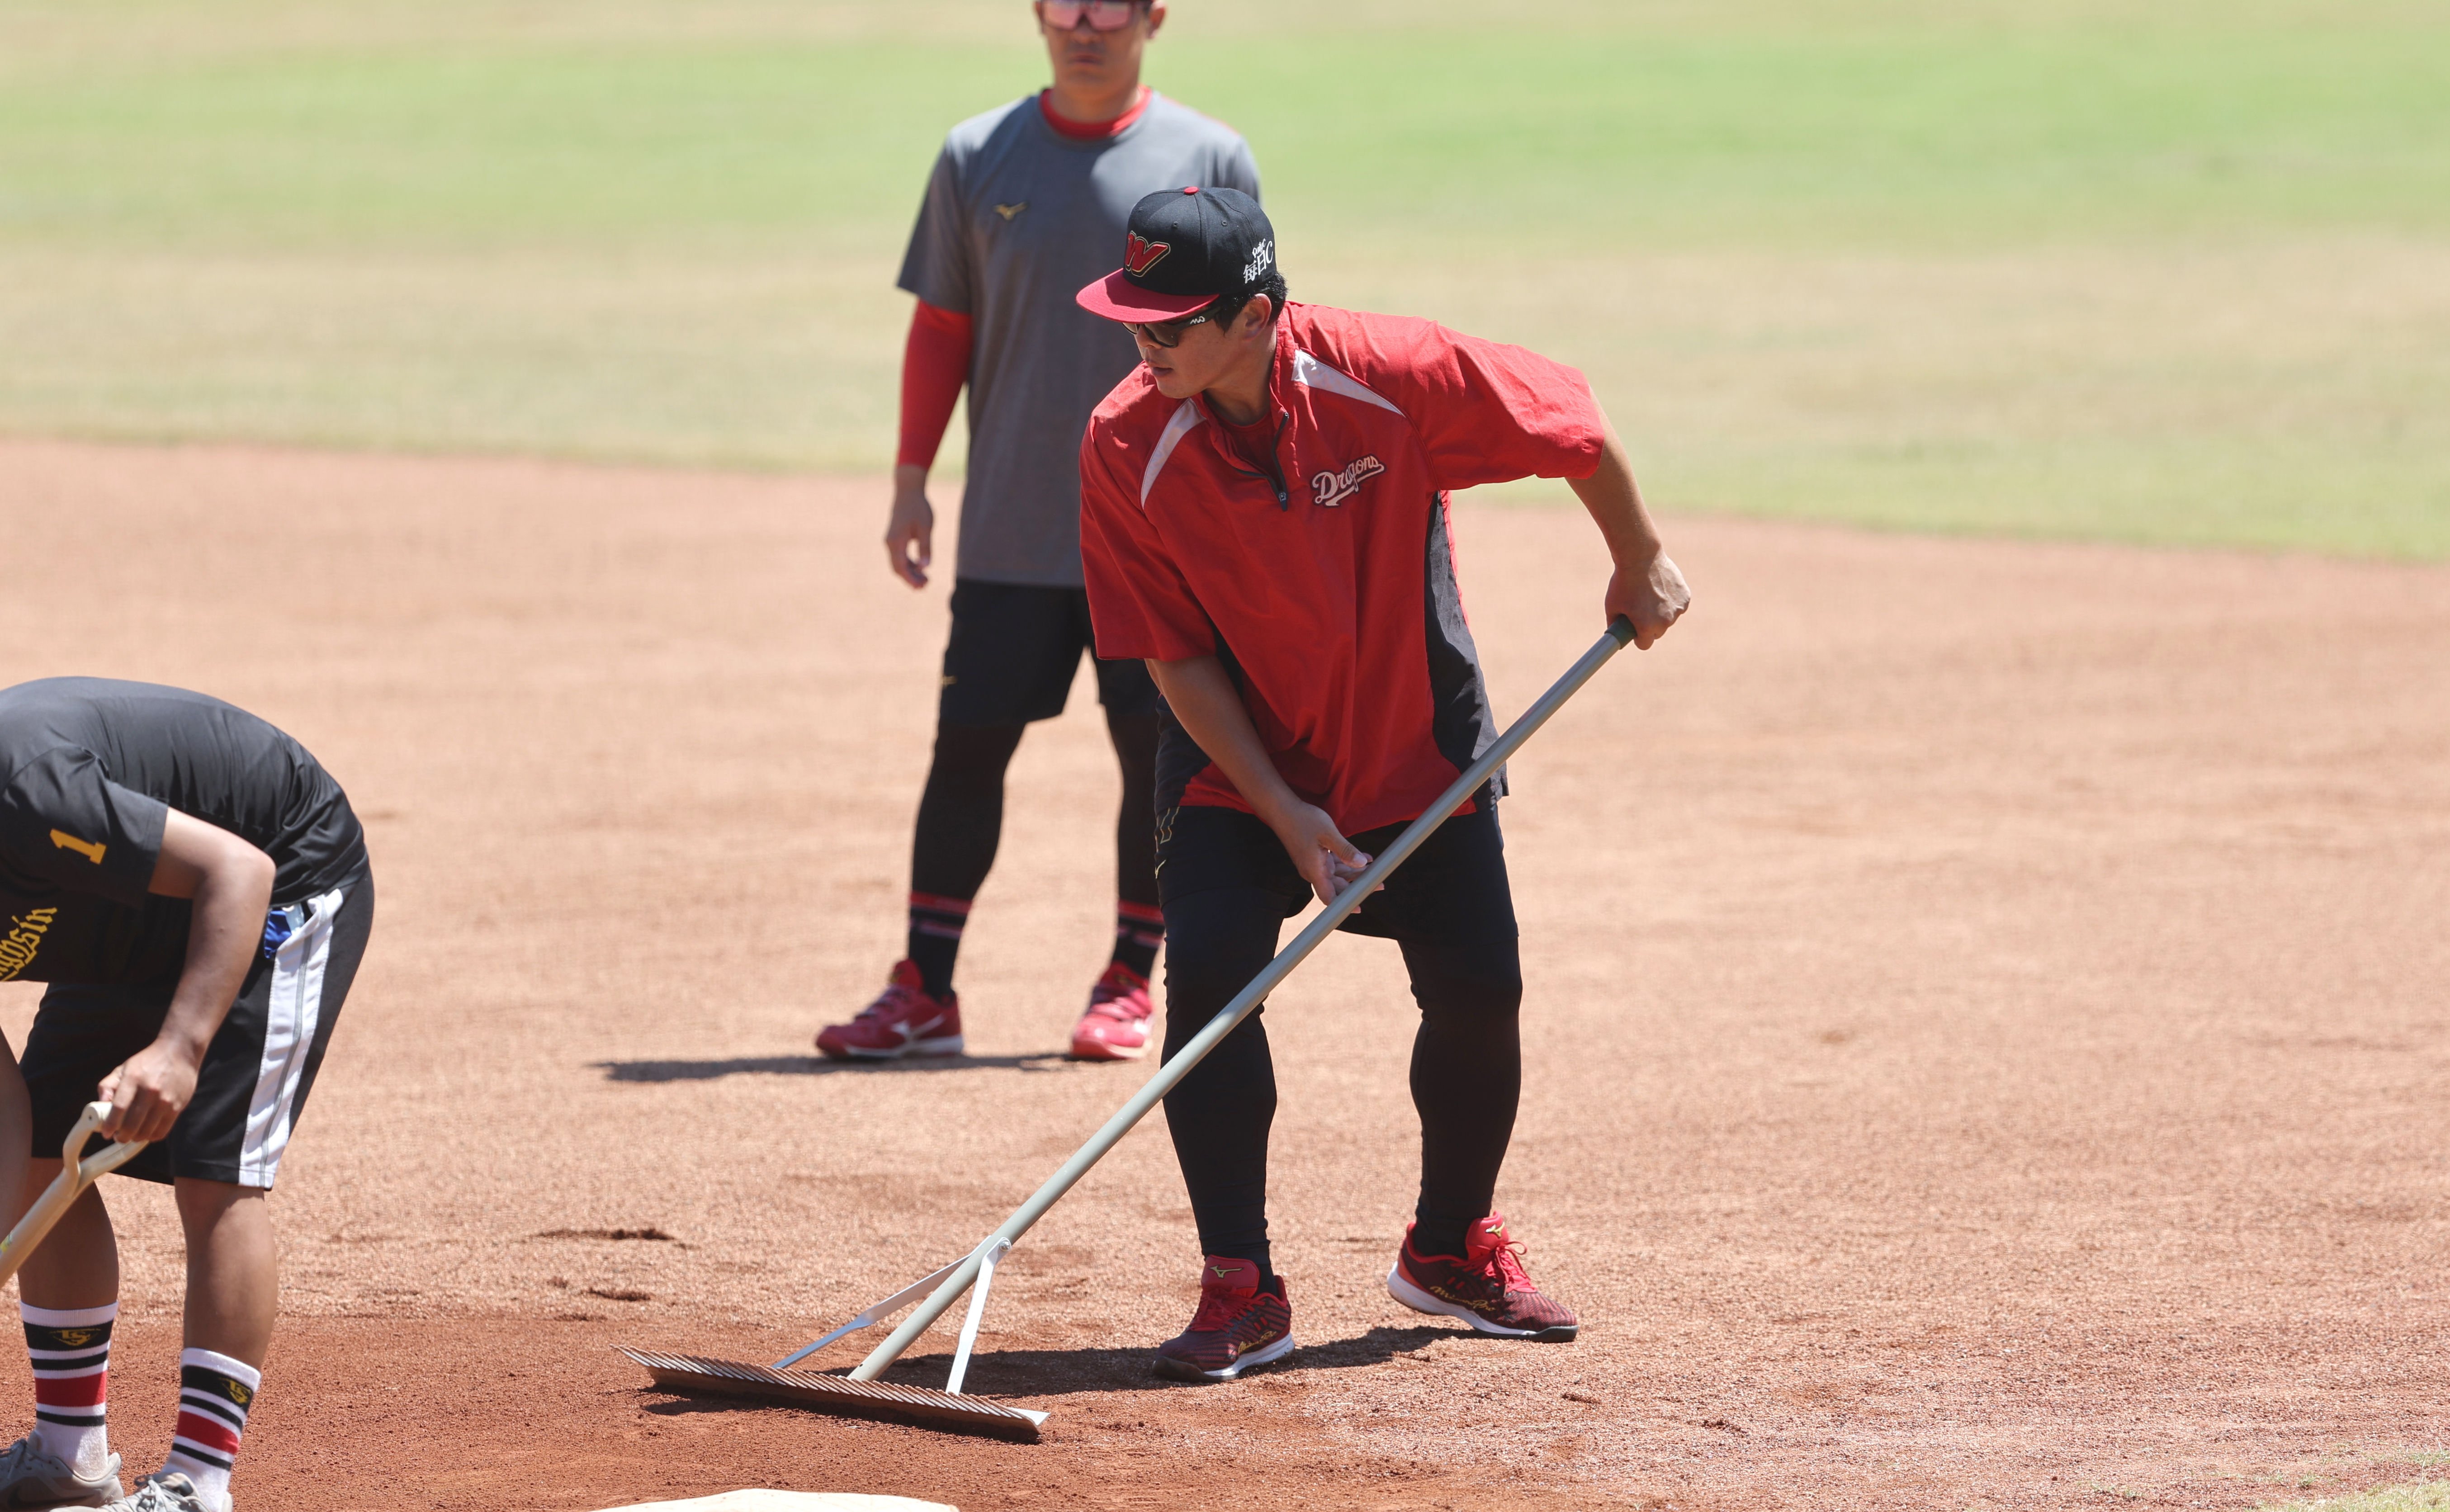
1334, 488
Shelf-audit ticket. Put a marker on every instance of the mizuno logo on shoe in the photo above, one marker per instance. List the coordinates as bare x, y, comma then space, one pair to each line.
1449, 1294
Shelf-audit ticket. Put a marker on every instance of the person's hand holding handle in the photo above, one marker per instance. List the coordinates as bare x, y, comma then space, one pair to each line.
78, 1171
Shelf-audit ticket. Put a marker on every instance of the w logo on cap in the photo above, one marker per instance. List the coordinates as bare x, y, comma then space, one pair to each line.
1141, 254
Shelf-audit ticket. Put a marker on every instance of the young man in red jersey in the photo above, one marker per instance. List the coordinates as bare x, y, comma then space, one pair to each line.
1264, 521
1026, 202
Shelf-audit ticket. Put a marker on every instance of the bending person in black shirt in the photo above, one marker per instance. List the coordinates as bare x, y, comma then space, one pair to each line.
194, 888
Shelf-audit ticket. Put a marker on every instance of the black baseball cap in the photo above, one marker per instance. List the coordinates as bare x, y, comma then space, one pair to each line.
1185, 250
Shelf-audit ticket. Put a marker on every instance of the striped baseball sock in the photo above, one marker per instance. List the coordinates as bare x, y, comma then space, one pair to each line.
215, 1395
70, 1350
1139, 928
936, 939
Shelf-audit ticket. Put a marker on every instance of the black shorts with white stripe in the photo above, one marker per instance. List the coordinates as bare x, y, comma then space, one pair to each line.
258, 1070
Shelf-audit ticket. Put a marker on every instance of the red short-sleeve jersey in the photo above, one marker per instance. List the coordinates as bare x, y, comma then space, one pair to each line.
1327, 583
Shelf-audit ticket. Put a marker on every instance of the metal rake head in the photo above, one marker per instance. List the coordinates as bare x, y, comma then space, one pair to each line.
878, 1400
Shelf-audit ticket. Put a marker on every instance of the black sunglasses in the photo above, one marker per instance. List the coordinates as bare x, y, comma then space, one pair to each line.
1167, 334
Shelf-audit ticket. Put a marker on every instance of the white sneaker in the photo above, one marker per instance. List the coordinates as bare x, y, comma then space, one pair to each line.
31, 1476
167, 1492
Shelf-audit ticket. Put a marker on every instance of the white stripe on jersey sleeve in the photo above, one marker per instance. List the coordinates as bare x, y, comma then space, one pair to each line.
1310, 370
1176, 429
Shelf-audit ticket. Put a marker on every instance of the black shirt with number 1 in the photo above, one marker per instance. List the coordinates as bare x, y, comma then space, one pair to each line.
90, 769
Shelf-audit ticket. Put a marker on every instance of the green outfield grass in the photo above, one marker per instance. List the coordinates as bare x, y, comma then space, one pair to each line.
2434, 1497
2173, 272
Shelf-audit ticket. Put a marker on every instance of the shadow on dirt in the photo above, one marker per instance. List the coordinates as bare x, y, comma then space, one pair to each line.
653, 1071
1039, 1373
1064, 1372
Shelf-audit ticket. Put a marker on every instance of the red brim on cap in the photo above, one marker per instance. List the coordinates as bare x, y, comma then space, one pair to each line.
1117, 298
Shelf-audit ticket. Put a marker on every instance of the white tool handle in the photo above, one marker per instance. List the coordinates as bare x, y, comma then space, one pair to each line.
875, 1313
995, 1248
75, 1176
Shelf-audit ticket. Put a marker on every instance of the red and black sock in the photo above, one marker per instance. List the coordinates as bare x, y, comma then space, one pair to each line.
1139, 928
71, 1352
215, 1395
936, 939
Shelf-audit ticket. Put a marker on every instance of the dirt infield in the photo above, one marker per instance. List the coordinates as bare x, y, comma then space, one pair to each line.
1986, 1012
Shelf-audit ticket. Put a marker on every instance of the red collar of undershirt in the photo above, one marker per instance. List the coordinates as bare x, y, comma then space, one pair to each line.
1093, 130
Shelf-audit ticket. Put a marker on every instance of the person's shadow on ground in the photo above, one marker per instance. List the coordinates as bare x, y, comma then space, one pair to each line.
660, 1071
1066, 1372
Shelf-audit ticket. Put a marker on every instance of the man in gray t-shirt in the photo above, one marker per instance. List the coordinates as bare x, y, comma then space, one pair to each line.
1027, 202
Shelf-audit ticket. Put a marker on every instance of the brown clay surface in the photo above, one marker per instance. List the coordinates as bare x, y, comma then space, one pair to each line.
1986, 1015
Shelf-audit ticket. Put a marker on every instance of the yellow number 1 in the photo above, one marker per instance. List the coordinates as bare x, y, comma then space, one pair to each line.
83, 847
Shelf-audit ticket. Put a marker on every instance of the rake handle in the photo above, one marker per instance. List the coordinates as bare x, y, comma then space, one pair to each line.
1619, 635
77, 1172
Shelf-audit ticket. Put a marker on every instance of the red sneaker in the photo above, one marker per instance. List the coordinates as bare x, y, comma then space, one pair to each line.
1116, 1024
904, 1020
1486, 1287
1238, 1325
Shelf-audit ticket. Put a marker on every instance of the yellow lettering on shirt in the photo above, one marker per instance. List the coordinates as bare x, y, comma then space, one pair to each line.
89, 849
24, 939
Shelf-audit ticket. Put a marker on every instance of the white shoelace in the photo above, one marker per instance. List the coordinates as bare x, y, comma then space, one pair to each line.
153, 1496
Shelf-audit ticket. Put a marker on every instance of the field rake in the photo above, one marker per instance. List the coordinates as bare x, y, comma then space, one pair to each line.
859, 1394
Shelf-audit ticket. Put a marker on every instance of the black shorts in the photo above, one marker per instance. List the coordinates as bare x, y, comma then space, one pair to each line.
1015, 650
1452, 891
256, 1072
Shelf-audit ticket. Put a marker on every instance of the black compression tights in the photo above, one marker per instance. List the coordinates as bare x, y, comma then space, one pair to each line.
1467, 1072
961, 814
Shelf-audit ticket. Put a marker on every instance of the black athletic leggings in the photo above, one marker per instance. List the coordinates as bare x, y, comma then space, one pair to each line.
960, 813
1229, 887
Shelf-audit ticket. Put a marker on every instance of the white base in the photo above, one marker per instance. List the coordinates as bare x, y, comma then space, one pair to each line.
790, 1501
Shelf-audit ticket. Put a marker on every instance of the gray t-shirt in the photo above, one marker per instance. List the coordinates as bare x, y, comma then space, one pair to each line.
1017, 217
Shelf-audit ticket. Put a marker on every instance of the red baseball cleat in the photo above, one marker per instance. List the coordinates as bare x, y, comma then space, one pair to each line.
1238, 1325
1486, 1287
903, 1021
1115, 1027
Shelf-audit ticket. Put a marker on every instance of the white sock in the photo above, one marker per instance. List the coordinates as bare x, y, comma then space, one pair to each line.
215, 1394
71, 1352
